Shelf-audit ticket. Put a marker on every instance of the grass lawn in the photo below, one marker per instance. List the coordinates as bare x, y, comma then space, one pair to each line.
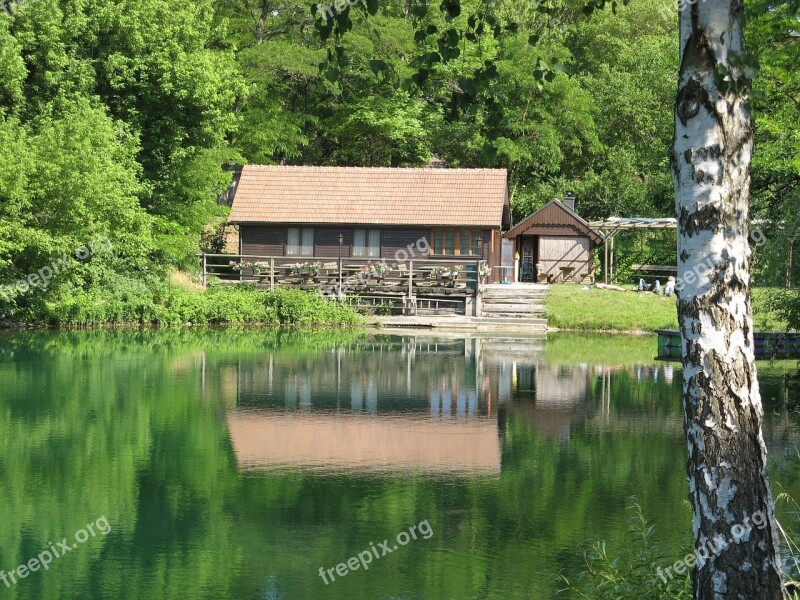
570, 307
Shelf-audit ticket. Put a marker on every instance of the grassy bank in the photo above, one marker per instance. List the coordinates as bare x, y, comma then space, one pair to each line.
571, 307
168, 303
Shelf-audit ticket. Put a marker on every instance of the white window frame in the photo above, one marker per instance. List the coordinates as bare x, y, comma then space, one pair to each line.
303, 242
366, 243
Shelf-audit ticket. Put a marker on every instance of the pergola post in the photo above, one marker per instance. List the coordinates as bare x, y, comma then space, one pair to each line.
611, 261
609, 228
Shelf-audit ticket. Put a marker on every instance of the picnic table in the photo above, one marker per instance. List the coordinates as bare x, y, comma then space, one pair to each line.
652, 272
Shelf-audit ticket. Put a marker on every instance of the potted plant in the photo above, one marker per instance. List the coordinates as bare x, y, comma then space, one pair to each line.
452, 272
244, 265
306, 269
377, 271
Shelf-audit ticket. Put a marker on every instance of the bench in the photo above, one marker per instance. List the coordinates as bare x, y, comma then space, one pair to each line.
652, 273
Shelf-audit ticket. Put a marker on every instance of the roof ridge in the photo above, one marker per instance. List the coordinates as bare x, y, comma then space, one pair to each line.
396, 169
406, 196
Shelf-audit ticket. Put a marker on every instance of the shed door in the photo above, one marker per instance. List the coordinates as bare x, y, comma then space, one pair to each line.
556, 252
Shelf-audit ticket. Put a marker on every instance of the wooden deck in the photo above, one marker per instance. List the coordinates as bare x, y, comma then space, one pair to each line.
420, 286
461, 323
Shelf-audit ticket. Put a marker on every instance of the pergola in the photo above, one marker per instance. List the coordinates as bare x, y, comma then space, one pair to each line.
610, 227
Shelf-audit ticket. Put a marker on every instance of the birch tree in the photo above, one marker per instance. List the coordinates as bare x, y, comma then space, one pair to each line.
727, 466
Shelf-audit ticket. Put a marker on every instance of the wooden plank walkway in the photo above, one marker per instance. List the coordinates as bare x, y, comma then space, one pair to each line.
459, 322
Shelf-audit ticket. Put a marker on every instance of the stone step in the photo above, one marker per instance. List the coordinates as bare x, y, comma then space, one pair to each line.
522, 296
528, 310
512, 305
512, 290
509, 317
507, 290
517, 301
523, 287
510, 321
512, 302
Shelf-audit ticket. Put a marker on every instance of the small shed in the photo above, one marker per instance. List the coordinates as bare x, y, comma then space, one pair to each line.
554, 244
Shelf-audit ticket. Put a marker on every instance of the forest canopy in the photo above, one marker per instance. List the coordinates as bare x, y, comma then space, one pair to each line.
125, 119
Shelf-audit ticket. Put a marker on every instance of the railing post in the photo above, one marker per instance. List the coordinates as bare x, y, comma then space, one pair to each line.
205, 266
341, 290
410, 279
271, 274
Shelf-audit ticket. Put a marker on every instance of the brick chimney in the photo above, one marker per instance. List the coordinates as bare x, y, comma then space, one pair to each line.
569, 201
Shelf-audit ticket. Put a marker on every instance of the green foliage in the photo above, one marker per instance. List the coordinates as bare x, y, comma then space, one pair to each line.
786, 305
633, 575
147, 301
114, 121
302, 308
791, 540
775, 190
117, 117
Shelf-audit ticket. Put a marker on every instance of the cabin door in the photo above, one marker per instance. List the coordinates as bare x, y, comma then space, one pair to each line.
527, 265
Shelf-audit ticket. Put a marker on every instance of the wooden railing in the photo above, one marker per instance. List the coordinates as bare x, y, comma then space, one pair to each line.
343, 277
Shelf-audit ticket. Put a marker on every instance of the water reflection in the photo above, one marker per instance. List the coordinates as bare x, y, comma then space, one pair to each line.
385, 405
284, 451
416, 403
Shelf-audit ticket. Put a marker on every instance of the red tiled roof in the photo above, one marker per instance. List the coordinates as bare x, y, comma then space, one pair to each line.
552, 214
370, 196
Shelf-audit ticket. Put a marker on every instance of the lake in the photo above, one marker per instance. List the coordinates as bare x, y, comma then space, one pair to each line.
246, 464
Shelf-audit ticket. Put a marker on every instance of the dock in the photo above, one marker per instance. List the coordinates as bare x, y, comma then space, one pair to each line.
768, 344
459, 323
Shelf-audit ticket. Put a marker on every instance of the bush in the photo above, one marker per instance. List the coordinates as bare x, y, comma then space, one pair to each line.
151, 300
635, 575
632, 577
303, 308
786, 304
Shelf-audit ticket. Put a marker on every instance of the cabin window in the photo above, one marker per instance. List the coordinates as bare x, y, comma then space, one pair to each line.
367, 243
300, 241
456, 242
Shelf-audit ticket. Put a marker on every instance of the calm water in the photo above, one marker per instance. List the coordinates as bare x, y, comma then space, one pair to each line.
228, 464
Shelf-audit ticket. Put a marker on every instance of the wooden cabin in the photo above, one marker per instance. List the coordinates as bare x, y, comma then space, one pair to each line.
554, 245
382, 214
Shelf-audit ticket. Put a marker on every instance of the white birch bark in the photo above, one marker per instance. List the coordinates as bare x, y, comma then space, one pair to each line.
727, 466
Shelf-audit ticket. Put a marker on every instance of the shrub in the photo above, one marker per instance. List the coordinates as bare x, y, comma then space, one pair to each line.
632, 577
154, 301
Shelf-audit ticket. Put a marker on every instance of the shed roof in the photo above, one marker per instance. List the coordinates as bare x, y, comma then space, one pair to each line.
371, 196
613, 225
554, 214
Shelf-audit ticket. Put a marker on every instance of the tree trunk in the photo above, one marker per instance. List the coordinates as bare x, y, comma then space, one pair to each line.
262, 20
727, 466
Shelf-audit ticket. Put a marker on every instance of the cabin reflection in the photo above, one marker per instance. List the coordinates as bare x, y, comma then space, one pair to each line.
406, 374
363, 443
389, 404
410, 403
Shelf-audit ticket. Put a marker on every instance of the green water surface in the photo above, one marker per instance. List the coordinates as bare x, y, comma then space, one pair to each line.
235, 464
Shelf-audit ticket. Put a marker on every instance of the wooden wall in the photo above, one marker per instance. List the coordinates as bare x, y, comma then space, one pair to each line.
270, 240
556, 252
395, 240
262, 240
326, 242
